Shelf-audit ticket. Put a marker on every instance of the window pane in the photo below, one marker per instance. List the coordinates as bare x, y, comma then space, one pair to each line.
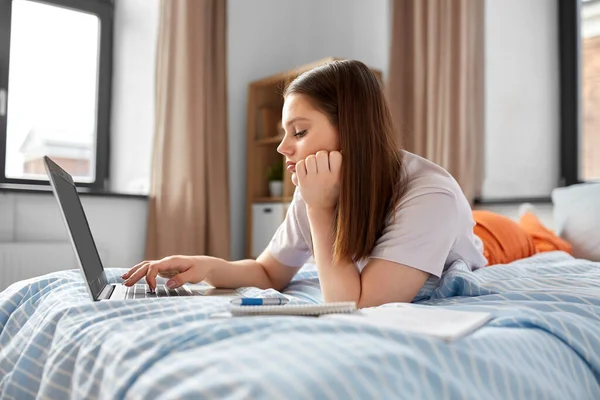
590, 90
52, 90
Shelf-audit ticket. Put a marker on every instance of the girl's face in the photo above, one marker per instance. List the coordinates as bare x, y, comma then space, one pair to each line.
307, 131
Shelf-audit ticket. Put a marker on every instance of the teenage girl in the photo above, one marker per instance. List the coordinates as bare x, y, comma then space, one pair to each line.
378, 220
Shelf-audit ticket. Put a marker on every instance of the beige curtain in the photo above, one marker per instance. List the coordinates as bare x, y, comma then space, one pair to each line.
435, 84
189, 195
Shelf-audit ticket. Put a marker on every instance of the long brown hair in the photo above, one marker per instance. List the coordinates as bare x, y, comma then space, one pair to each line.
372, 177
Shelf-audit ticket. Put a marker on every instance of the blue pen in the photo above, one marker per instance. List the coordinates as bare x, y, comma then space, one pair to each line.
266, 301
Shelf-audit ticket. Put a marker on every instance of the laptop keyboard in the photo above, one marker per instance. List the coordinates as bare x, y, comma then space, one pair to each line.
142, 291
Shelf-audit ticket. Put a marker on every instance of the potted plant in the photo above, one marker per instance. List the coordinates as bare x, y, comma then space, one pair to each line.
275, 178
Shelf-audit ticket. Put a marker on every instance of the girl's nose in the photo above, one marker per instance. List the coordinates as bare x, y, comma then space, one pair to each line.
285, 147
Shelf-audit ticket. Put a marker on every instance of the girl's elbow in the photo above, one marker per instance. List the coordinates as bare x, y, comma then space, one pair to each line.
366, 301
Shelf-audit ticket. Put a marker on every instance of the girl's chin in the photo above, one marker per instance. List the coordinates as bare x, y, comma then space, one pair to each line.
294, 179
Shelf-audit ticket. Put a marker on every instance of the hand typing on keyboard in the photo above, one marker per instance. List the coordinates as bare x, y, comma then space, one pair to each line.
178, 269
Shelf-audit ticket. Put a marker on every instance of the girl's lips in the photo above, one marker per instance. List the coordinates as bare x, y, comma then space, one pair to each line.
291, 166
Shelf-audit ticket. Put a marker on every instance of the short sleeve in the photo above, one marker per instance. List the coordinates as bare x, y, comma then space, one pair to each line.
422, 234
289, 245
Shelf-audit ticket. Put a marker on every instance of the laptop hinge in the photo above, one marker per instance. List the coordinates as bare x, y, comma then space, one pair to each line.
106, 292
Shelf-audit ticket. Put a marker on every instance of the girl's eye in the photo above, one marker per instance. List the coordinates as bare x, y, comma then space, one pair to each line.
300, 134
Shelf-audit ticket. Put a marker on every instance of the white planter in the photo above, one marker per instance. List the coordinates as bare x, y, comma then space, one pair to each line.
276, 188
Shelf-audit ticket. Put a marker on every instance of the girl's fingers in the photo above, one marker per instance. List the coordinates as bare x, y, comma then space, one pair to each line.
168, 273
137, 275
335, 161
300, 171
322, 159
168, 267
133, 269
181, 279
311, 165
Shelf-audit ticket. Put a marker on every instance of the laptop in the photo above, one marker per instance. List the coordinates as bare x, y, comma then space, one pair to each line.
87, 255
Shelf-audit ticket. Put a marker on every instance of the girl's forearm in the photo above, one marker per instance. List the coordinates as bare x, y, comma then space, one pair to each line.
340, 282
235, 274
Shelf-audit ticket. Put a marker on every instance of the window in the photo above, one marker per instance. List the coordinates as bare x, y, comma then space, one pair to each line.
55, 60
579, 25
590, 90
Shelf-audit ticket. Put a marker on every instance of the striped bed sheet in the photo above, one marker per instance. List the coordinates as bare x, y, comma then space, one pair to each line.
543, 342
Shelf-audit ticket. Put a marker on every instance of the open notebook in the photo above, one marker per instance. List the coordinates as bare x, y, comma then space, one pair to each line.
444, 323
439, 322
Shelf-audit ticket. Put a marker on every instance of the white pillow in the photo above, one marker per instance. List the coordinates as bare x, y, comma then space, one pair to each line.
577, 218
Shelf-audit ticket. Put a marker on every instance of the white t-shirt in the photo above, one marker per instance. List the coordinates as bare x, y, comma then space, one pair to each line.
433, 225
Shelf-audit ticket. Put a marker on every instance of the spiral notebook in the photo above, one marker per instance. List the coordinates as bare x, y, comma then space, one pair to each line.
343, 307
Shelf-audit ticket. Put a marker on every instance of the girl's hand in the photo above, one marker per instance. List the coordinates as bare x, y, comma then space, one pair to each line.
179, 270
318, 177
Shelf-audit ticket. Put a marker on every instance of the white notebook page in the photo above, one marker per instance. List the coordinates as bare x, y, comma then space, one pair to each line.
439, 322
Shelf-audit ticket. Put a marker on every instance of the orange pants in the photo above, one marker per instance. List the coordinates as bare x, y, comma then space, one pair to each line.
505, 241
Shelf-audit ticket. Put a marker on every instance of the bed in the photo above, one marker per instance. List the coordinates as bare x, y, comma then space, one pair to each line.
543, 342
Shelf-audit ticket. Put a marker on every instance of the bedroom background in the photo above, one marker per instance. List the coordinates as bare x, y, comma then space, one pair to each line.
521, 116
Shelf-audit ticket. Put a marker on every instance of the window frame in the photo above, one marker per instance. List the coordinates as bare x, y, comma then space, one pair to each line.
569, 25
571, 102
104, 10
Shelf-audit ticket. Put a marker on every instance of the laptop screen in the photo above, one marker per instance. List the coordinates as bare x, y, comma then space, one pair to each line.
80, 233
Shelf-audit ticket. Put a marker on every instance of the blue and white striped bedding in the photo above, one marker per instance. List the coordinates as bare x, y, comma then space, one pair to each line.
544, 342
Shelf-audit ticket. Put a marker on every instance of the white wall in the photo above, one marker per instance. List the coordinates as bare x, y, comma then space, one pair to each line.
522, 98
264, 37
270, 36
279, 36
34, 240
132, 115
